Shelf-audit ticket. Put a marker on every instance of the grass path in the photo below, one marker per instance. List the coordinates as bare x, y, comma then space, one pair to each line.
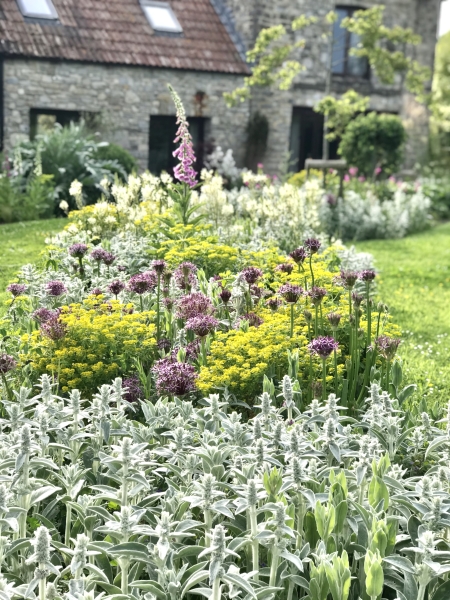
415, 283
21, 243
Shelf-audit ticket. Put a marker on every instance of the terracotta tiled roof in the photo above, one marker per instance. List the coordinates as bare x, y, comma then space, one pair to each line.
117, 31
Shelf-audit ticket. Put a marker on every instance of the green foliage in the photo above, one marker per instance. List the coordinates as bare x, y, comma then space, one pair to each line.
257, 136
270, 58
384, 47
117, 154
374, 140
28, 202
415, 284
339, 112
67, 154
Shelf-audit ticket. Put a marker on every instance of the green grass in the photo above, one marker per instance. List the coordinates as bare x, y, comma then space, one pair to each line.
415, 283
21, 243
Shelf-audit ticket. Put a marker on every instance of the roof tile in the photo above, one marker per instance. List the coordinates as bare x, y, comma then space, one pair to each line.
117, 31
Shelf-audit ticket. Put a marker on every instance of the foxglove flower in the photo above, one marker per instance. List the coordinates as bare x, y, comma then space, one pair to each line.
55, 288
184, 171
16, 289
323, 347
290, 292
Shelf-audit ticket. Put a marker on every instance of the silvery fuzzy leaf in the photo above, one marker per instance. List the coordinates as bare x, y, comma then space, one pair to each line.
30, 589
163, 548
295, 560
42, 493
215, 569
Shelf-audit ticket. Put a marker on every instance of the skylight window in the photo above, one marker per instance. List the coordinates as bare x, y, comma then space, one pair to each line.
161, 16
38, 9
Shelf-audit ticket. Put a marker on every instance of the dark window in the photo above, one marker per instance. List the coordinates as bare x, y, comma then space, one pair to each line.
162, 133
43, 120
307, 137
343, 63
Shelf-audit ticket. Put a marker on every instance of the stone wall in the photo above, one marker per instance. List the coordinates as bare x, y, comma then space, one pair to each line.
125, 96
309, 88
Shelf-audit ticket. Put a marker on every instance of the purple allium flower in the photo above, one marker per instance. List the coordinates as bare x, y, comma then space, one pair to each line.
334, 319
16, 289
54, 329
253, 319
348, 279
109, 258
55, 288
168, 302
44, 314
185, 276
285, 268
193, 305
313, 245
202, 325
298, 255
96, 292
78, 250
7, 363
174, 378
290, 292
133, 389
142, 282
193, 349
167, 276
164, 344
121, 268
273, 303
184, 171
368, 275
357, 299
159, 266
116, 286
256, 291
98, 254
323, 346
317, 294
387, 346
251, 274
331, 200
225, 296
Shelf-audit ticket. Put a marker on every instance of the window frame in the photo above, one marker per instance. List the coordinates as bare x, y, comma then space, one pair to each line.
160, 4
366, 76
31, 15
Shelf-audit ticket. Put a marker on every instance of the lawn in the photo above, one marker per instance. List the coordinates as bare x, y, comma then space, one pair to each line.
21, 243
415, 283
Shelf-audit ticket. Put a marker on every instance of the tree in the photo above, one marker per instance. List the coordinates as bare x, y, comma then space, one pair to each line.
385, 49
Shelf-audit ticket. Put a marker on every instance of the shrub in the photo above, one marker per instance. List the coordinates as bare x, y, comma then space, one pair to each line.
113, 153
100, 341
374, 140
67, 154
25, 202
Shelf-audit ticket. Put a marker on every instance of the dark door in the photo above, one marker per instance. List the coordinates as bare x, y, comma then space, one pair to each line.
306, 136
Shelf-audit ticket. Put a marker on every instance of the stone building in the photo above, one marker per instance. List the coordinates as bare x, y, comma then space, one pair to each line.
110, 61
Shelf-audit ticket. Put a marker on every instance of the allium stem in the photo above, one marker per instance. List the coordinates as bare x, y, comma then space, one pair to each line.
292, 319
7, 388
158, 308
311, 269
369, 315
324, 379
335, 372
